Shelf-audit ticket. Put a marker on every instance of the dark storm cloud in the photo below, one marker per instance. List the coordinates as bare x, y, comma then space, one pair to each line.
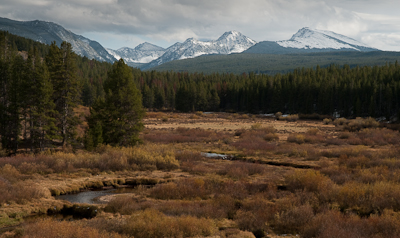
169, 21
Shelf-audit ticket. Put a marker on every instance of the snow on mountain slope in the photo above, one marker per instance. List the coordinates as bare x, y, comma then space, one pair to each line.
230, 42
307, 38
47, 32
143, 53
114, 53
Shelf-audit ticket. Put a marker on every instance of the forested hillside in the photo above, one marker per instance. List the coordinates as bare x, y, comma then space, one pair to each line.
277, 63
40, 85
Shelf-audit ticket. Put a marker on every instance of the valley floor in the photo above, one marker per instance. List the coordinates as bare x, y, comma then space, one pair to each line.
215, 175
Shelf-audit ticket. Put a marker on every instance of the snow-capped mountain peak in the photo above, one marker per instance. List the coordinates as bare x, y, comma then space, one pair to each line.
232, 36
143, 53
229, 34
230, 42
146, 46
308, 38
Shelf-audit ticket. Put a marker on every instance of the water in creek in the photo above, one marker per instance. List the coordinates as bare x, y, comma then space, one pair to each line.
215, 155
90, 196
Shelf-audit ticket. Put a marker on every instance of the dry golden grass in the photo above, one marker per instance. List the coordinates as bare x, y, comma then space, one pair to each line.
153, 224
281, 177
50, 228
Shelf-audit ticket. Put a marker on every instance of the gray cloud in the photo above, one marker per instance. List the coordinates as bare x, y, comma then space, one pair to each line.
164, 22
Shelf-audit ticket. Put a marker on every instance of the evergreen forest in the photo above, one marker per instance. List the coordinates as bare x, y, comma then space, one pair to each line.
40, 86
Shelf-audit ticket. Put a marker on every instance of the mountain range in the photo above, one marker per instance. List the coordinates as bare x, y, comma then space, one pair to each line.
140, 55
147, 55
47, 32
308, 40
230, 42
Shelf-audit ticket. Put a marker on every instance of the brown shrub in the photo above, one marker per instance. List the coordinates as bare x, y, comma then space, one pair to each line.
311, 136
293, 220
49, 228
314, 138
312, 131
10, 172
124, 205
290, 118
238, 170
309, 180
344, 135
340, 121
354, 161
153, 224
296, 138
327, 121
181, 189
338, 175
239, 132
347, 151
236, 190
255, 213
385, 195
189, 156
379, 137
197, 167
278, 115
332, 222
21, 191
327, 223
334, 141
256, 126
353, 196
252, 144
271, 137
360, 123
106, 158
182, 135
207, 209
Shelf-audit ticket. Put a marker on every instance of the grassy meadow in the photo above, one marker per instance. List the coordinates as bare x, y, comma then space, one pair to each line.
285, 175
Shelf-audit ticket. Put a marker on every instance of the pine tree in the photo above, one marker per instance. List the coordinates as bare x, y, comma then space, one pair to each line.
42, 109
66, 96
11, 73
148, 96
183, 99
159, 98
119, 115
214, 100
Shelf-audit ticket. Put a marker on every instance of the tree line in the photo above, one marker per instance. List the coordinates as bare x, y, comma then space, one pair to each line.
41, 87
350, 92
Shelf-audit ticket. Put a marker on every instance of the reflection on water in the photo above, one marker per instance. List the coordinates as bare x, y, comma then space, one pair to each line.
215, 155
86, 196
90, 196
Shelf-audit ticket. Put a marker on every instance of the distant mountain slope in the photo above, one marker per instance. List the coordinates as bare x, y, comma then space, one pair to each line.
47, 32
308, 40
276, 63
141, 54
230, 42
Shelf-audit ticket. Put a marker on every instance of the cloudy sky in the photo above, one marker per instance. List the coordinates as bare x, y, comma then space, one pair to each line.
118, 23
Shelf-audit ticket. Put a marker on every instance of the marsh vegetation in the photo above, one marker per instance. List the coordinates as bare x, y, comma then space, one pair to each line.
303, 177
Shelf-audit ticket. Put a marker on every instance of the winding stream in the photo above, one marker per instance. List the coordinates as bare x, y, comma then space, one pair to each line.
91, 196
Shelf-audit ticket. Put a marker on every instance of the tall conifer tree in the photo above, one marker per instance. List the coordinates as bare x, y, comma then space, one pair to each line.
66, 95
119, 115
42, 108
